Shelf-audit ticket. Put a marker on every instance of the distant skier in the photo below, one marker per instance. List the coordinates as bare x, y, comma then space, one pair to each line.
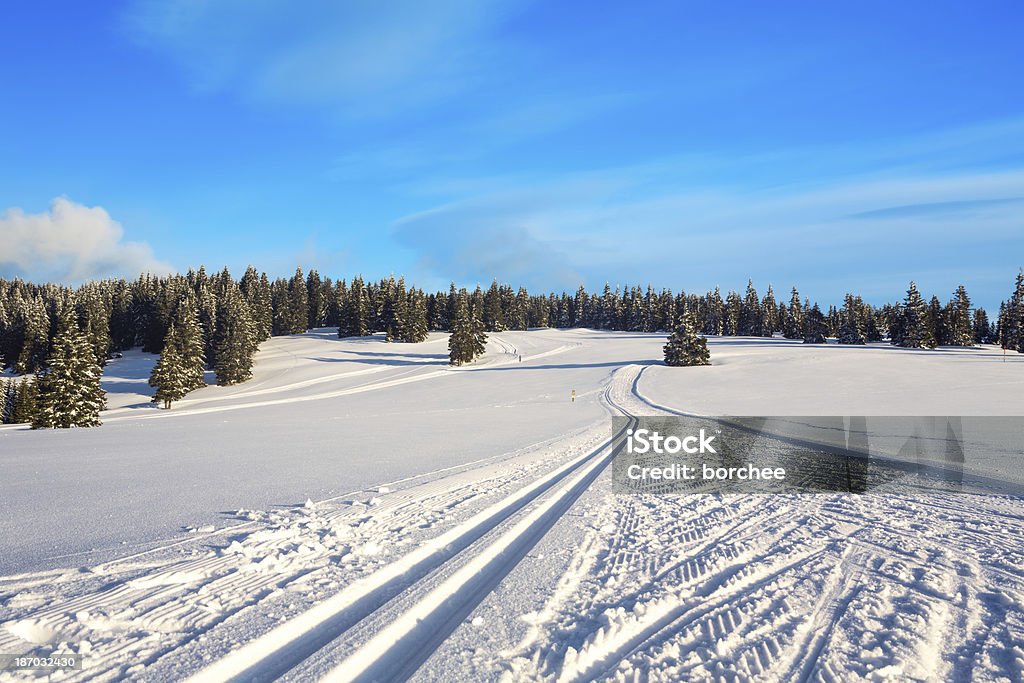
520, 358
573, 395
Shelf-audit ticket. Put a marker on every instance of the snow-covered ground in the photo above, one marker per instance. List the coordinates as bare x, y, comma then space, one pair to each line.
360, 511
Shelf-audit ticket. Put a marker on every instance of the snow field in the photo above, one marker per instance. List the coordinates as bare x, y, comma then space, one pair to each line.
517, 563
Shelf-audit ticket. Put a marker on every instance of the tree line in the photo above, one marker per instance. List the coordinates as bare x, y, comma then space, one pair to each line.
58, 338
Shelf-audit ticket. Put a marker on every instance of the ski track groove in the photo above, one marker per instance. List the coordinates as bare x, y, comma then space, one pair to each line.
400, 648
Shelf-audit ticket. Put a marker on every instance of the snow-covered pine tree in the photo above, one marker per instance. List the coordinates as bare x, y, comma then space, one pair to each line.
685, 346
414, 328
493, 316
751, 316
714, 322
915, 331
961, 330
25, 401
850, 325
393, 309
34, 323
579, 308
733, 313
338, 304
168, 375
70, 394
519, 316
256, 289
872, 333
815, 327
189, 343
981, 327
181, 365
1011, 321
316, 301
4, 403
235, 341
206, 309
461, 340
354, 316
10, 400
832, 321
793, 325
479, 334
938, 319
95, 318
770, 324
123, 331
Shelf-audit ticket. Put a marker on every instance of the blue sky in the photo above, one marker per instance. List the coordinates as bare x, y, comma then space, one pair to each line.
832, 146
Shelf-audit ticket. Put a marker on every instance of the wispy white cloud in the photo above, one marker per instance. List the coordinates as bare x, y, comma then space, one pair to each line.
71, 243
364, 56
869, 232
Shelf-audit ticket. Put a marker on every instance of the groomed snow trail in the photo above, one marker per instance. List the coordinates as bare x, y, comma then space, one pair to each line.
123, 609
886, 586
292, 642
396, 652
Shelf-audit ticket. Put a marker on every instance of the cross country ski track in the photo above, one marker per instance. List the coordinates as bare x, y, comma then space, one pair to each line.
396, 651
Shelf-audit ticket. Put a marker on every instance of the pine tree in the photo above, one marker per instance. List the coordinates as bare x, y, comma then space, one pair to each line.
685, 346
316, 301
915, 332
468, 337
414, 329
181, 365
256, 289
168, 376
961, 330
872, 333
70, 394
770, 324
815, 328
493, 315
1011, 321
353, 318
479, 333
393, 309
938, 321
750, 322
579, 308
733, 314
10, 401
235, 341
714, 323
95, 318
25, 401
850, 327
206, 309
4, 403
298, 304
981, 327
793, 325
34, 323
461, 340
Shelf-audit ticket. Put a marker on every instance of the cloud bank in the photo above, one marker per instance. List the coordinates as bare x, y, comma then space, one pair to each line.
70, 243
